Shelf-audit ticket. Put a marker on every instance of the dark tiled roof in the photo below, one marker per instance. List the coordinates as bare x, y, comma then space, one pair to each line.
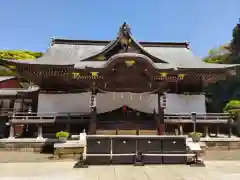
65, 54
74, 52
104, 43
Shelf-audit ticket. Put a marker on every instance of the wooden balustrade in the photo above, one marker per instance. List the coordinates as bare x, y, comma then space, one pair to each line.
42, 118
200, 118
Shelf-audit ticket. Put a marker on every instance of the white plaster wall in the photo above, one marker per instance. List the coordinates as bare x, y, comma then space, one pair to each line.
105, 102
111, 101
64, 103
179, 103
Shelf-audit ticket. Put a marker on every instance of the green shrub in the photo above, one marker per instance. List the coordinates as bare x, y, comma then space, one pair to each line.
195, 136
62, 134
232, 107
192, 134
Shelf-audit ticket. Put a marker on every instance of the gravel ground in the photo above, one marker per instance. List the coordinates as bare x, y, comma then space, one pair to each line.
7, 157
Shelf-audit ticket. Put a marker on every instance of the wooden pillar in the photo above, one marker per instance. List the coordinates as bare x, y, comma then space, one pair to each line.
12, 104
160, 121
11, 131
217, 130
206, 131
181, 129
22, 104
92, 128
230, 122
68, 125
32, 111
34, 105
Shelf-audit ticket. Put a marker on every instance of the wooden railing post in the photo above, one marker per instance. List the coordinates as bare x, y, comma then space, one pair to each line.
206, 131
92, 128
40, 132
194, 119
230, 122
217, 131
181, 129
11, 129
68, 125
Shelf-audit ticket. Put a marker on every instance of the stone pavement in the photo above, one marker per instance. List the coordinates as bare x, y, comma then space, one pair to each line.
218, 170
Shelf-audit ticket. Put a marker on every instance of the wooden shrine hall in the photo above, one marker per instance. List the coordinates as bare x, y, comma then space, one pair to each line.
121, 83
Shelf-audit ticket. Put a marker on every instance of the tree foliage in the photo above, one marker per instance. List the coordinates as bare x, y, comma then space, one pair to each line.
223, 93
219, 55
16, 55
19, 54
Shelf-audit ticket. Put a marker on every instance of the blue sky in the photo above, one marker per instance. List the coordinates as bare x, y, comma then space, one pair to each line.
29, 24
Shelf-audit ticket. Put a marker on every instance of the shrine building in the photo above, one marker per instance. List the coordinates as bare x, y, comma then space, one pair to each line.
106, 86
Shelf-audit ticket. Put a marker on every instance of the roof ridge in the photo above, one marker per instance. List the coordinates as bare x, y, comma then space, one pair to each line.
105, 42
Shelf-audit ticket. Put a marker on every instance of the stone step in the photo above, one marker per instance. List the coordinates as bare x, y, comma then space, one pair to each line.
147, 132
106, 132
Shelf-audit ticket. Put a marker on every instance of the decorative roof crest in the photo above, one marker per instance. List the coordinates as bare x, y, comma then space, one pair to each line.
124, 28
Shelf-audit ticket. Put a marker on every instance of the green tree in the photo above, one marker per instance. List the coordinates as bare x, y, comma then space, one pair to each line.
16, 55
234, 47
222, 92
19, 55
219, 55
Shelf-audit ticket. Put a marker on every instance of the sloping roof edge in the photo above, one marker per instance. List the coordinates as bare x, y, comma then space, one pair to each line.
5, 78
104, 64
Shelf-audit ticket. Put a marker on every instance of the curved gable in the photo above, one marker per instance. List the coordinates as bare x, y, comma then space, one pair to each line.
124, 43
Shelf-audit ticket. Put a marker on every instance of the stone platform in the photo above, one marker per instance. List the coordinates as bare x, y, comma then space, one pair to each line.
214, 170
39, 145
220, 143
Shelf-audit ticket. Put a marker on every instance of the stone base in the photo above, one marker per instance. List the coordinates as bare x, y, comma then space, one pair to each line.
139, 164
68, 152
219, 143
80, 165
199, 163
38, 145
26, 145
